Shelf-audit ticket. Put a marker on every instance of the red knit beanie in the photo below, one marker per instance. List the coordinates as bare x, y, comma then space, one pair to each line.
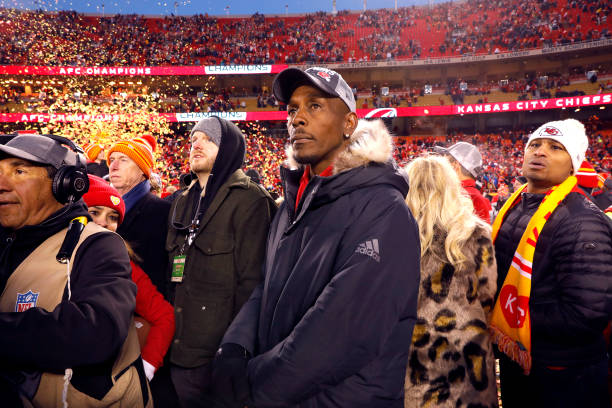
587, 176
103, 194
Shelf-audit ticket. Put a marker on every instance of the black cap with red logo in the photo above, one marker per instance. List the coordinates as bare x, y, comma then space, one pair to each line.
324, 79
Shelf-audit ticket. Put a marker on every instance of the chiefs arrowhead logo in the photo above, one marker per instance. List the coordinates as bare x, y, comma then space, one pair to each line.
324, 75
115, 200
551, 131
514, 307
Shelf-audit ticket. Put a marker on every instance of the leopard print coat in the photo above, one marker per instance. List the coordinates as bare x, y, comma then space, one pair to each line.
451, 362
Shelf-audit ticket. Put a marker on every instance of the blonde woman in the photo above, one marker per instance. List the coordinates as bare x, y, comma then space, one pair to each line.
451, 361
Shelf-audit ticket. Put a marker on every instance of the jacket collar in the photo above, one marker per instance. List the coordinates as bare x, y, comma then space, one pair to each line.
236, 180
135, 194
468, 183
369, 143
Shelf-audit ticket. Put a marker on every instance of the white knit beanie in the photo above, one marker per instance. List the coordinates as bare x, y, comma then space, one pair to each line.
570, 133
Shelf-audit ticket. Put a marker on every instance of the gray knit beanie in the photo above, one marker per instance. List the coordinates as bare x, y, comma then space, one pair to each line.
211, 127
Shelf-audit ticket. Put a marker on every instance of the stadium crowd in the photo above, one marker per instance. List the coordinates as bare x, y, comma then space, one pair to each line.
316, 261
447, 29
443, 188
365, 272
501, 152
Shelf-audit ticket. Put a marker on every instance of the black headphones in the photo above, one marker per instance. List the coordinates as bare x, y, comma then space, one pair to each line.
70, 181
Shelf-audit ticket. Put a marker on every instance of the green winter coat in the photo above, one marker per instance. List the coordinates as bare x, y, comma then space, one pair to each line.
222, 266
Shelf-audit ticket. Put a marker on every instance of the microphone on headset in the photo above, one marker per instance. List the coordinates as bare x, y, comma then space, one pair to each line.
76, 226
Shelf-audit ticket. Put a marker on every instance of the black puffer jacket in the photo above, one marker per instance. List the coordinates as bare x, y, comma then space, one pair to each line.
145, 228
571, 287
332, 324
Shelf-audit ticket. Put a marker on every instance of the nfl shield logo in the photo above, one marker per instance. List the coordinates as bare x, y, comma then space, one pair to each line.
26, 301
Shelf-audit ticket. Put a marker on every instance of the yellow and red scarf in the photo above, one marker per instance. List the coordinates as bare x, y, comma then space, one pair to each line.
511, 324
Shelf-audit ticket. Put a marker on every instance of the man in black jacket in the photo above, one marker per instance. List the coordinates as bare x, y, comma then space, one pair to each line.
570, 302
145, 226
332, 323
74, 316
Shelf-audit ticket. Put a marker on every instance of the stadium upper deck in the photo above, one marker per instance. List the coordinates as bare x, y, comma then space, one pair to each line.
447, 29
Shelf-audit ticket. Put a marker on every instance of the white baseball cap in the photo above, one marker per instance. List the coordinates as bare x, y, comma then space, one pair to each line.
466, 154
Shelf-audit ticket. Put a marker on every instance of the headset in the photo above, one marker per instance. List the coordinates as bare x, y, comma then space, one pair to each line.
70, 181
69, 184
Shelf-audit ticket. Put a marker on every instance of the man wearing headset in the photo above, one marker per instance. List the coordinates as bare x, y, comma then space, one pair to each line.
67, 297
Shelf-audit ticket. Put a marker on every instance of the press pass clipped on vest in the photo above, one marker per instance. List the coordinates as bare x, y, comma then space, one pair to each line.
178, 268
178, 262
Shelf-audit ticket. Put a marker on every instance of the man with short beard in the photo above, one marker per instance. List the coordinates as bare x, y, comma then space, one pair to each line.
216, 241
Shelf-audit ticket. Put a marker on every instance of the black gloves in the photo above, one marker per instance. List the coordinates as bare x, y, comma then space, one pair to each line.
229, 376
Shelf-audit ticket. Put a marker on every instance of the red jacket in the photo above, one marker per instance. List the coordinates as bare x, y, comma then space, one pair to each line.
151, 306
482, 206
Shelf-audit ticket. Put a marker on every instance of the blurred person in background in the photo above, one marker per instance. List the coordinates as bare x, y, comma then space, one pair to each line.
96, 159
467, 163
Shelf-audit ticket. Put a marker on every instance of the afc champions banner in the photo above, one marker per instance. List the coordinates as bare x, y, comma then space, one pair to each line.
142, 71
280, 115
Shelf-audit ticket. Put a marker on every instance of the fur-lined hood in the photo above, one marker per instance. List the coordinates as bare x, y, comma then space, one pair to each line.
369, 143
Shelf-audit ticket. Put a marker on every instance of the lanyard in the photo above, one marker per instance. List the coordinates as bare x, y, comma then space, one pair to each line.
193, 229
